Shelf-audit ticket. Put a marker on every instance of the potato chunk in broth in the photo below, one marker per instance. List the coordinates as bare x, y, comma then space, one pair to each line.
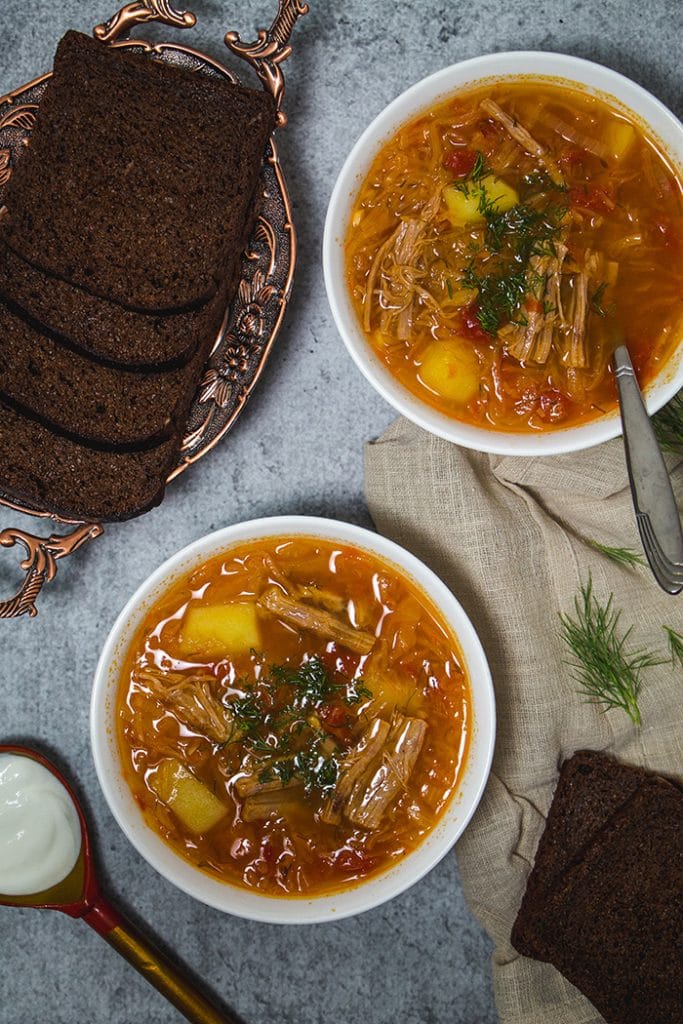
293, 716
504, 242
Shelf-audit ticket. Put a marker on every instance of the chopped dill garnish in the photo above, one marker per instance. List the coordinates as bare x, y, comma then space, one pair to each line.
668, 424
481, 168
317, 772
596, 300
311, 681
499, 296
622, 556
607, 672
675, 646
284, 770
282, 730
540, 181
512, 238
247, 711
449, 287
356, 691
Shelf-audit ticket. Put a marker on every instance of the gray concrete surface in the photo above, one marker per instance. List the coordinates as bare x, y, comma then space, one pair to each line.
422, 959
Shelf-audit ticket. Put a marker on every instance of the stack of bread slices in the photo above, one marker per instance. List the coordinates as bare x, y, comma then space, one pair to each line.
119, 254
603, 901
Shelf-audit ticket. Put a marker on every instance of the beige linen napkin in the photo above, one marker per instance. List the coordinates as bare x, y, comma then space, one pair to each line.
509, 536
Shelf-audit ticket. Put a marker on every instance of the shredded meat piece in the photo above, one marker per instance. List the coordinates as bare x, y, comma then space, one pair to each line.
320, 622
191, 698
533, 343
303, 591
374, 792
522, 136
395, 272
524, 347
356, 762
262, 805
577, 356
249, 785
552, 301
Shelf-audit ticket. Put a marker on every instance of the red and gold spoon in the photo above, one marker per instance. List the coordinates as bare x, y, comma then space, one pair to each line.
79, 895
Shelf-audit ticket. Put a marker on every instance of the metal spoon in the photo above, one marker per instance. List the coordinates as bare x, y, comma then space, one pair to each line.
657, 514
78, 895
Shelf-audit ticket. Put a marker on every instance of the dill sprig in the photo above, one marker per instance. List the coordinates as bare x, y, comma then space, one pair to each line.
668, 424
500, 295
675, 646
607, 672
622, 556
596, 298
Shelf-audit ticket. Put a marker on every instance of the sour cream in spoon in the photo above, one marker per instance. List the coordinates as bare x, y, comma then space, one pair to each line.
40, 831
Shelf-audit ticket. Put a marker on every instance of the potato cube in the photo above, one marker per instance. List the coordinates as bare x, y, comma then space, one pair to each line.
191, 801
464, 205
451, 369
619, 136
221, 630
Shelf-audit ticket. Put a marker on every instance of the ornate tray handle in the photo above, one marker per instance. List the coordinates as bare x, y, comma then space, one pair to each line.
137, 13
271, 49
40, 563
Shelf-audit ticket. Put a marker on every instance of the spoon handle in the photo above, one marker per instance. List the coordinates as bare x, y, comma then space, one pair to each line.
167, 979
657, 514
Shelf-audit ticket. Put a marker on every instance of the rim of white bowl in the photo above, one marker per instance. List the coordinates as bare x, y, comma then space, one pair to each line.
545, 65
231, 898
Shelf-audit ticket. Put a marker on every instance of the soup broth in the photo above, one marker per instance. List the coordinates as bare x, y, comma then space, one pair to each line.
503, 243
293, 716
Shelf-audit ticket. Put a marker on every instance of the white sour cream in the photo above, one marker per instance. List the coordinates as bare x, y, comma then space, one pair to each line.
40, 831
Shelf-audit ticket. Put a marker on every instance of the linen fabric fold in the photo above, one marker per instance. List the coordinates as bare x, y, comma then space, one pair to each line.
511, 537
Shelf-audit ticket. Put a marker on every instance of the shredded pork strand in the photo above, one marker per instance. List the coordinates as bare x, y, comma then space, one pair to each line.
533, 342
192, 700
355, 763
318, 621
572, 134
576, 355
395, 272
250, 785
553, 311
522, 136
261, 805
373, 793
321, 596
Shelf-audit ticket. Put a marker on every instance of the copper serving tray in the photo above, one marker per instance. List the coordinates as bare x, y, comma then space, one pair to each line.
250, 324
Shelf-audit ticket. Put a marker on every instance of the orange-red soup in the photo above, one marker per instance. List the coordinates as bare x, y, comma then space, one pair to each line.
505, 241
293, 716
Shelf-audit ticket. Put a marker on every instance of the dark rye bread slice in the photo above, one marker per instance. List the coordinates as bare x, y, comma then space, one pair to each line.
614, 925
100, 405
139, 178
590, 789
73, 480
100, 328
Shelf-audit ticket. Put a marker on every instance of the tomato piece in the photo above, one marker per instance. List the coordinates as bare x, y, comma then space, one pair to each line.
333, 715
345, 662
352, 862
460, 162
666, 234
533, 305
470, 322
411, 664
553, 406
593, 198
573, 157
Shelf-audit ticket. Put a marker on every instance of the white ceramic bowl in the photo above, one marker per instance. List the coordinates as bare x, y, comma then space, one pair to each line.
593, 78
243, 902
